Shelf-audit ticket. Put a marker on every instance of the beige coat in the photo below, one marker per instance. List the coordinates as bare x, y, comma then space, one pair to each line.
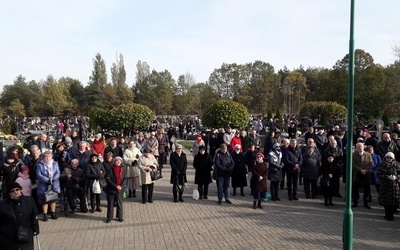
130, 155
143, 162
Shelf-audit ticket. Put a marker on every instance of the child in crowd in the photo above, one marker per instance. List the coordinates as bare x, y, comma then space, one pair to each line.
25, 182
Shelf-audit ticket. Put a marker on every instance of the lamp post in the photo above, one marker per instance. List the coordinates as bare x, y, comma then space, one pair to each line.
348, 213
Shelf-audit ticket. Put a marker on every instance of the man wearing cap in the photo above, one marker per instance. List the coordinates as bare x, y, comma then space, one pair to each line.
362, 164
224, 165
178, 163
17, 211
292, 160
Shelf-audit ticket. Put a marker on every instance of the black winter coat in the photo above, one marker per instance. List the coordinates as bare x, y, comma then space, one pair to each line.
291, 158
111, 180
239, 171
311, 166
224, 164
178, 167
203, 165
25, 213
92, 172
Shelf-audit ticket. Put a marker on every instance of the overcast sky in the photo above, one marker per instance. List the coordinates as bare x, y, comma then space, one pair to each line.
61, 38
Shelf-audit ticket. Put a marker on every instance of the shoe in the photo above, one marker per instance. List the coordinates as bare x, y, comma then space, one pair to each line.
99, 210
84, 211
45, 217
295, 198
73, 211
242, 194
134, 193
229, 201
54, 216
254, 204
143, 202
219, 202
367, 206
290, 198
108, 220
259, 205
92, 210
326, 204
130, 193
181, 199
278, 199
150, 201
307, 197
331, 204
273, 199
205, 197
121, 220
201, 197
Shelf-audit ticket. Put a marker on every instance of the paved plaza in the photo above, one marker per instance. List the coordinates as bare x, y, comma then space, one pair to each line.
202, 224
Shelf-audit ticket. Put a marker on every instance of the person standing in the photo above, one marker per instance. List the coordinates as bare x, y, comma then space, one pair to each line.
310, 168
162, 145
115, 178
48, 174
275, 170
113, 147
239, 171
17, 211
202, 163
362, 164
224, 165
146, 162
259, 180
389, 173
178, 179
131, 157
94, 172
292, 161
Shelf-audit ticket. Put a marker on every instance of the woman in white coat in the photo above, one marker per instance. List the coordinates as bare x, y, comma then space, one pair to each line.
146, 164
131, 158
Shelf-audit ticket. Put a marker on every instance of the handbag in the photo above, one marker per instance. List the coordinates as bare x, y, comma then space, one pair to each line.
196, 194
50, 196
96, 189
24, 234
214, 175
324, 182
155, 174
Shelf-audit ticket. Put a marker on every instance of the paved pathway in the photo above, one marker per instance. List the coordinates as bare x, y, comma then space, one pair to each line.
202, 224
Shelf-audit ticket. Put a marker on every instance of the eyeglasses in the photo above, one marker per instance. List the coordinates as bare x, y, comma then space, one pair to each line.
15, 190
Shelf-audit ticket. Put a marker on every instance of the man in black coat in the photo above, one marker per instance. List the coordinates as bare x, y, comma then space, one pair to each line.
178, 179
17, 211
224, 165
113, 148
292, 160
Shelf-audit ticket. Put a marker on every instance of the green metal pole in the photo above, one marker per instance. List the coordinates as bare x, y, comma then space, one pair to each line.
348, 213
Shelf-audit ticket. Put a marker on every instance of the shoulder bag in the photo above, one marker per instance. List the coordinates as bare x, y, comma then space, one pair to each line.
50, 196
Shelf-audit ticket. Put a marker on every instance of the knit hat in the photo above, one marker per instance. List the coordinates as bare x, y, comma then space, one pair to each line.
277, 144
13, 185
147, 150
260, 154
11, 156
202, 148
389, 155
68, 139
25, 169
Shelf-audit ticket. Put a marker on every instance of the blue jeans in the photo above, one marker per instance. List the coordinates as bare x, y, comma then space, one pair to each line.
223, 187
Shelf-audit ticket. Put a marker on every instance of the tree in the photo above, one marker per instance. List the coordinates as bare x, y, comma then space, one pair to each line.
294, 92
263, 87
142, 89
226, 113
162, 88
326, 111
97, 82
56, 99
118, 73
19, 90
122, 118
16, 108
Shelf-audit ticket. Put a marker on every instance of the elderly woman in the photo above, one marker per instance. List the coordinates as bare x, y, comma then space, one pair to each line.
239, 171
48, 174
131, 158
94, 172
389, 174
17, 211
115, 178
146, 164
259, 180
203, 164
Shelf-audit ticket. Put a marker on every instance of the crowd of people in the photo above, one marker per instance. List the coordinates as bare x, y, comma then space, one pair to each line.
78, 171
